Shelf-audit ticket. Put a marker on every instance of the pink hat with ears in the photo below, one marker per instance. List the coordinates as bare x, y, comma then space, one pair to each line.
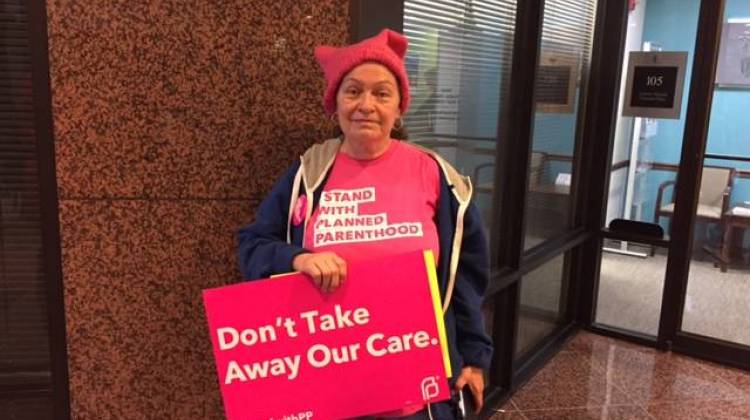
387, 48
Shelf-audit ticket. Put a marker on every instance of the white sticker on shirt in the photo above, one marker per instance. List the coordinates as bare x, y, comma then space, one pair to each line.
340, 222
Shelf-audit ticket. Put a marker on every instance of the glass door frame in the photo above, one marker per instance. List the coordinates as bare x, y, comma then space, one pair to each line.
701, 90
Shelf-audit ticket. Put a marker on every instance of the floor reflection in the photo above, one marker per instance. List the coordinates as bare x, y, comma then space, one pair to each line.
596, 377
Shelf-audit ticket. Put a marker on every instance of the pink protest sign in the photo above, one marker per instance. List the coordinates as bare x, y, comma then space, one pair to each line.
284, 350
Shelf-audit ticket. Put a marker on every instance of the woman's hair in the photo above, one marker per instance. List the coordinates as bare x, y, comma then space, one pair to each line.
401, 133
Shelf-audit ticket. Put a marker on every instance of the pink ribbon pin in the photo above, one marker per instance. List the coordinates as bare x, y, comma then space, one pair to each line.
300, 210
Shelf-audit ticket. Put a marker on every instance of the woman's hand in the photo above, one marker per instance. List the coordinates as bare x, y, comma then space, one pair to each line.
473, 377
327, 269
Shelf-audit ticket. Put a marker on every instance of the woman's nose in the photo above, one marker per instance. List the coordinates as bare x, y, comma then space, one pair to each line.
366, 102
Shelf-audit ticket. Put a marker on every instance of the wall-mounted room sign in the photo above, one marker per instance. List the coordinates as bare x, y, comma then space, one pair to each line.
655, 84
556, 83
286, 350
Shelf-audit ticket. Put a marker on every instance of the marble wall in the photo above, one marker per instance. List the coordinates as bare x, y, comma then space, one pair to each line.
172, 119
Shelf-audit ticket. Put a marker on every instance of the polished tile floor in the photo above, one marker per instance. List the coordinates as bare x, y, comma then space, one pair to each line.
596, 377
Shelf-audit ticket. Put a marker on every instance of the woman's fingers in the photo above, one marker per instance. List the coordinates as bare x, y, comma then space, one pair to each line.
336, 270
325, 274
341, 264
460, 383
335, 276
339, 267
327, 269
478, 393
473, 377
313, 271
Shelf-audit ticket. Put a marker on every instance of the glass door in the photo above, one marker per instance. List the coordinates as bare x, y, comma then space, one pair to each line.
718, 288
645, 166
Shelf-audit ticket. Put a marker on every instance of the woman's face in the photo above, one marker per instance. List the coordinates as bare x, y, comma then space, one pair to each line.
367, 103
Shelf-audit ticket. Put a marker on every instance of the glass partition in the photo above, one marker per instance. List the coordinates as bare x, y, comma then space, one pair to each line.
561, 81
541, 310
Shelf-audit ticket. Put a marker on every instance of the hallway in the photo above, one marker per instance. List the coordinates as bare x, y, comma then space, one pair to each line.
596, 377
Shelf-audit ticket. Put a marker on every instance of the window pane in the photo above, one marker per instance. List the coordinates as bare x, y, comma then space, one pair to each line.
540, 310
560, 80
459, 64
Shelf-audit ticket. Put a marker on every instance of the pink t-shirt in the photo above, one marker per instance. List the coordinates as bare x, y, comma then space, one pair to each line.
379, 207
373, 208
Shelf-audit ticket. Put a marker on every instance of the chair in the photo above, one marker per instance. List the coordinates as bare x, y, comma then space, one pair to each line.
537, 164
713, 199
536, 170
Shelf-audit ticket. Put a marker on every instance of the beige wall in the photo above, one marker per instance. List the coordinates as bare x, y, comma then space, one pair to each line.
172, 119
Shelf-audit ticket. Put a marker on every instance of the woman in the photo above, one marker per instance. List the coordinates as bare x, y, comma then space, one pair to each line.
367, 94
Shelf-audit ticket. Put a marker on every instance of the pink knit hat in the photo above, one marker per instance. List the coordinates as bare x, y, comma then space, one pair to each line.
387, 48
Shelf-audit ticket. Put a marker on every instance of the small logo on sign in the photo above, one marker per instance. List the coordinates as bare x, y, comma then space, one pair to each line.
305, 415
430, 388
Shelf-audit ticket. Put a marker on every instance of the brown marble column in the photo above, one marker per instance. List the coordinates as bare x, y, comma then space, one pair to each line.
172, 120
